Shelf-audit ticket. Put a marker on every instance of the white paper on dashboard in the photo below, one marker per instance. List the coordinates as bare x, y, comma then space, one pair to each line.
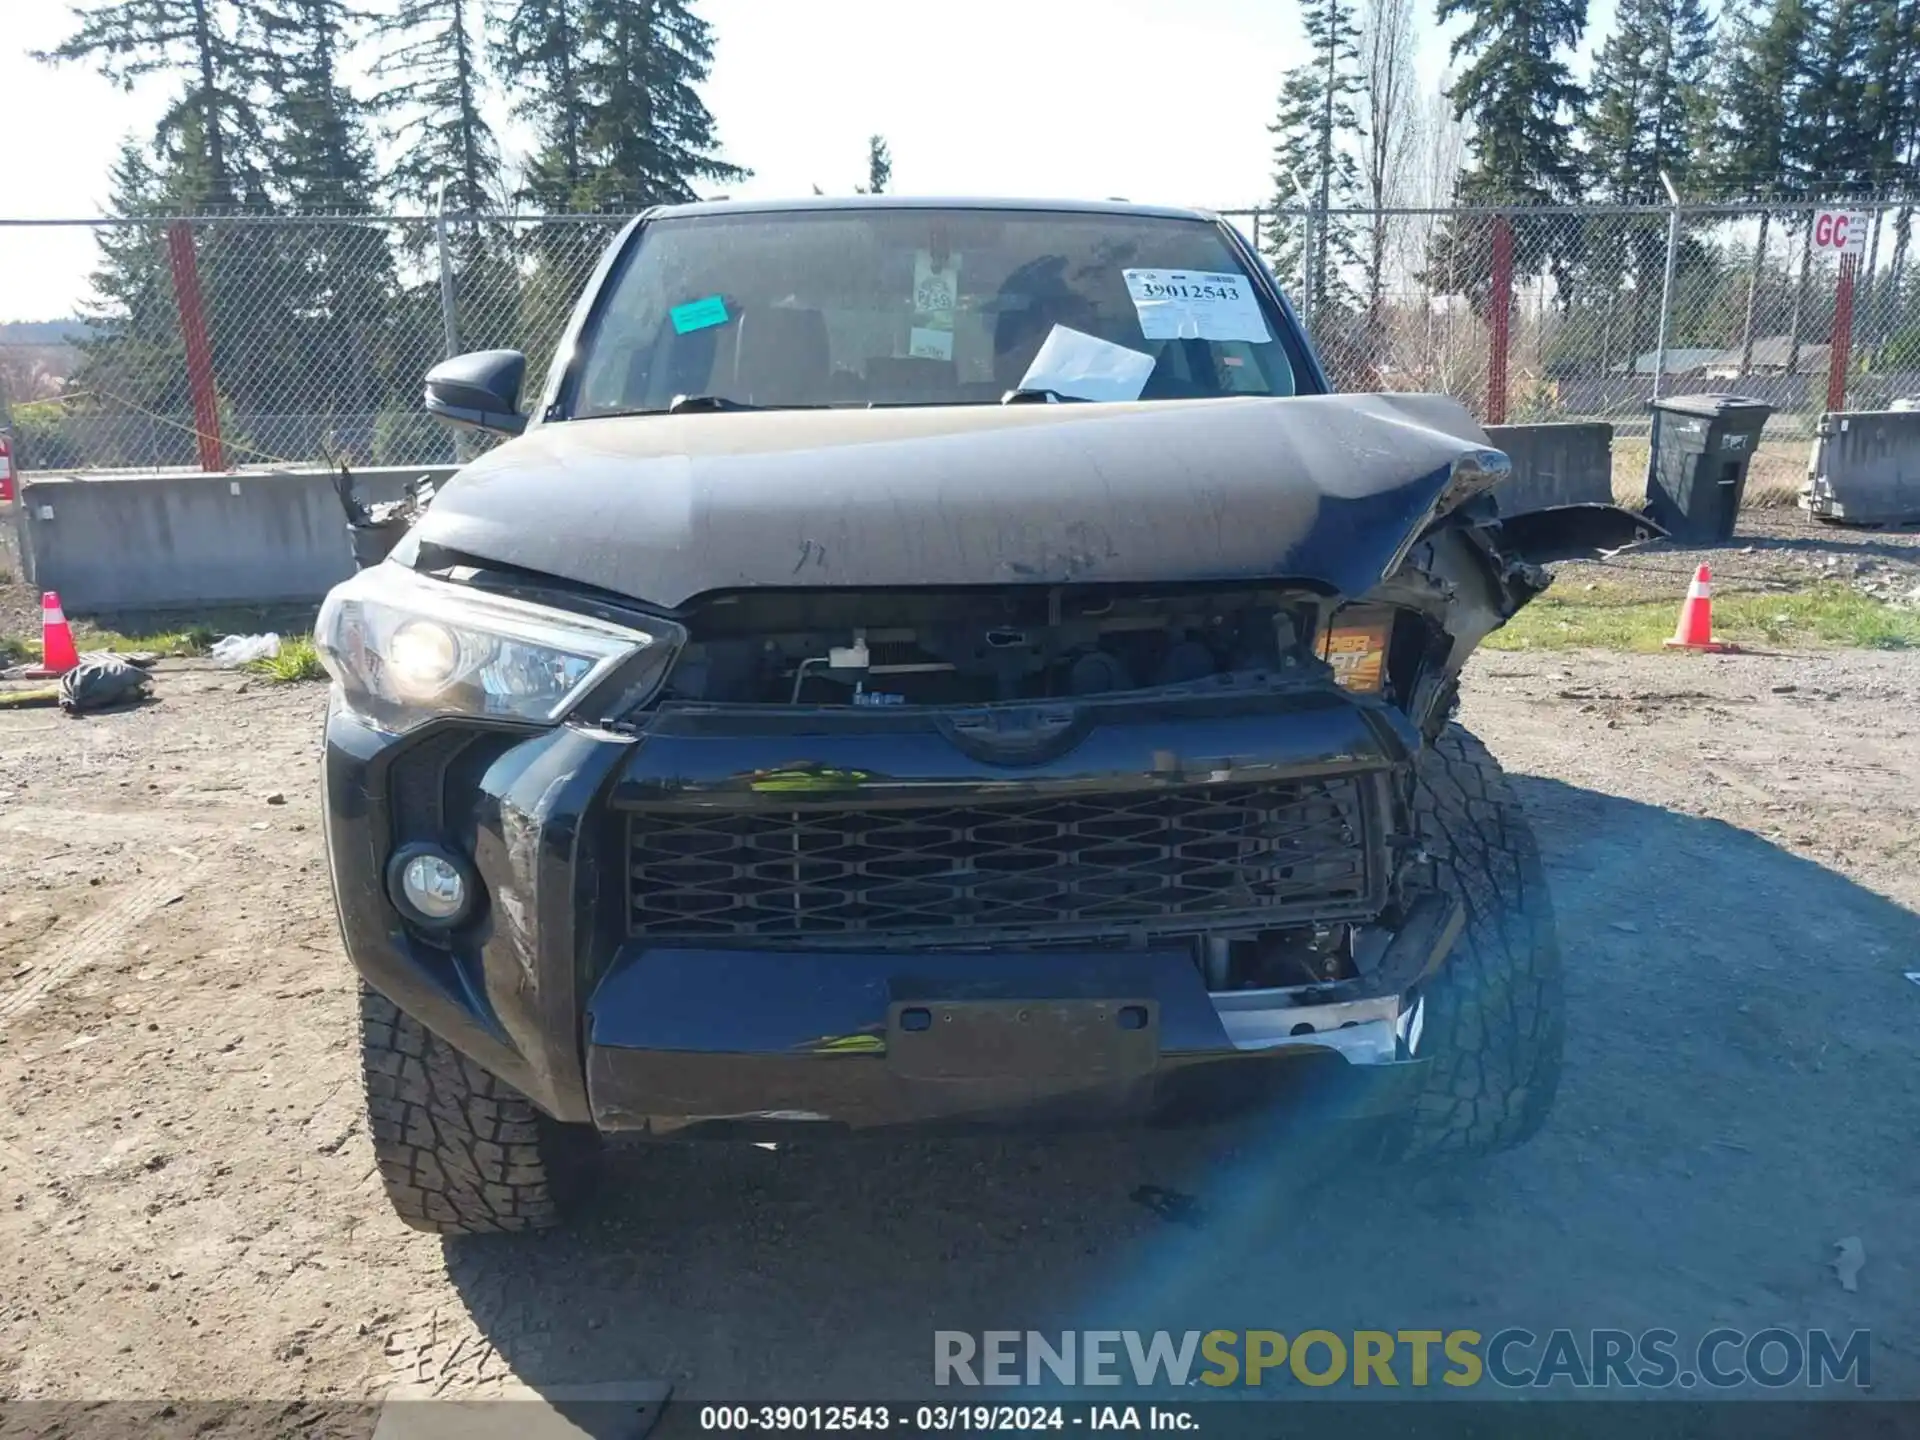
924, 344
1196, 305
1087, 367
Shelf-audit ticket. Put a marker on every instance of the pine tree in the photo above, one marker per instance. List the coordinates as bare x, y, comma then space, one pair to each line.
1752, 154
1830, 137
1523, 102
539, 58
1892, 99
1315, 115
1520, 95
132, 356
1832, 133
325, 326
644, 135
322, 154
540, 49
446, 146
1890, 92
218, 49
879, 167
1647, 84
449, 158
1646, 97
1752, 150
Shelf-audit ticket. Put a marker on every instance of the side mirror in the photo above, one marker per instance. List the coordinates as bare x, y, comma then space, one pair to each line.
479, 391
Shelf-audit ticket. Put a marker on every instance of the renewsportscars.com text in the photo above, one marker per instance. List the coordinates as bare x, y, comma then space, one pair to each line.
1513, 1358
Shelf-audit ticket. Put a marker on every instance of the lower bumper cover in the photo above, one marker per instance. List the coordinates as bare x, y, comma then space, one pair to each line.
747, 1041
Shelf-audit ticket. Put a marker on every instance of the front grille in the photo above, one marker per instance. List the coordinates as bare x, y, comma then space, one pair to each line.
1129, 863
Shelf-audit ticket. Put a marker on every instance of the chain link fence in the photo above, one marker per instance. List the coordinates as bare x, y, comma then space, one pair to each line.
310, 335
249, 340
1588, 313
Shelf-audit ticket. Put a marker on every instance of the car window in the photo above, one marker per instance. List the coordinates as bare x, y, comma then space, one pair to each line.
924, 306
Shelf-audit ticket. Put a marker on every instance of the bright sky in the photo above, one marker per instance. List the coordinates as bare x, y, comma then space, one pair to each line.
1154, 100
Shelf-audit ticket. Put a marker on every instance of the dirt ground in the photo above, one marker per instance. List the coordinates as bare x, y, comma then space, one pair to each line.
188, 1205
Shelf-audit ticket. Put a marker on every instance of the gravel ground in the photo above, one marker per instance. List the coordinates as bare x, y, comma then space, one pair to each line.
1732, 846
1775, 549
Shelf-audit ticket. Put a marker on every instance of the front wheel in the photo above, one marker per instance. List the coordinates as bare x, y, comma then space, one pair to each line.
1491, 1021
461, 1152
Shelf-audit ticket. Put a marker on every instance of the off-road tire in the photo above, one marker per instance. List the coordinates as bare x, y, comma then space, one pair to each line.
461, 1152
1493, 1022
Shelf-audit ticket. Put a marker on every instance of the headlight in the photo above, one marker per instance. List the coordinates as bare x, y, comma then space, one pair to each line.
406, 647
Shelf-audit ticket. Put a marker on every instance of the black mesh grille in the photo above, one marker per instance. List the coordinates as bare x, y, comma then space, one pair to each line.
1139, 862
417, 784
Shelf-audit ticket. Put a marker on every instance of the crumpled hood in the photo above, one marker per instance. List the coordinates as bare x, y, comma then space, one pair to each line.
1325, 489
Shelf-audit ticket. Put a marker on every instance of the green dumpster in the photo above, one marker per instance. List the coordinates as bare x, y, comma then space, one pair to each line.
1697, 466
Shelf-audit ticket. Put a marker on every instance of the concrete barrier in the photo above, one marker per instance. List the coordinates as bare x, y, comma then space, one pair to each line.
1866, 468
166, 540
161, 541
1566, 464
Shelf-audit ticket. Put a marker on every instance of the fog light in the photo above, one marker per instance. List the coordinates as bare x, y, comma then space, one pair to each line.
431, 887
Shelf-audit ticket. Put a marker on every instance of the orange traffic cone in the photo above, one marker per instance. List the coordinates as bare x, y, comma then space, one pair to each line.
1695, 630
57, 654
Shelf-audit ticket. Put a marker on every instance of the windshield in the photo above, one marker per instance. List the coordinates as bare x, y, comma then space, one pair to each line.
928, 307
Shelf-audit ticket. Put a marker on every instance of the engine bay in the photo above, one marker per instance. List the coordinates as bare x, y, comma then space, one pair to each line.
880, 649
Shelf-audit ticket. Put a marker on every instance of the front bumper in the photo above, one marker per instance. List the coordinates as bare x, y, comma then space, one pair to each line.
560, 989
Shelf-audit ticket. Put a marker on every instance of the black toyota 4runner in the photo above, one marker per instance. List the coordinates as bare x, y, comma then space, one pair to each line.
928, 664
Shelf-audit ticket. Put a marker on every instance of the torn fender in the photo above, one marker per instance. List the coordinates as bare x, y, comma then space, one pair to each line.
1327, 490
1573, 532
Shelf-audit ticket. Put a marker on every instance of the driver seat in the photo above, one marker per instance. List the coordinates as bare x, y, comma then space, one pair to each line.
781, 357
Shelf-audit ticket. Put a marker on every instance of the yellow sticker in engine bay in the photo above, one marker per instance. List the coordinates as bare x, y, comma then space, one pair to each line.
1356, 648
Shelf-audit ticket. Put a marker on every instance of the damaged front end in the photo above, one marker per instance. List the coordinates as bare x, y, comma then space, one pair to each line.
955, 716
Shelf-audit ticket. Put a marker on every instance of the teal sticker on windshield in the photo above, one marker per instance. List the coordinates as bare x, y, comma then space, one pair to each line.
698, 314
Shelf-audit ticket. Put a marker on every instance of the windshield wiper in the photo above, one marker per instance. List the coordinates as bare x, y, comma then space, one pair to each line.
682, 403
692, 404
1039, 395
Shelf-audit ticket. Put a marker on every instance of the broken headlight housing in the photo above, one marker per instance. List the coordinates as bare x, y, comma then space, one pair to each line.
406, 648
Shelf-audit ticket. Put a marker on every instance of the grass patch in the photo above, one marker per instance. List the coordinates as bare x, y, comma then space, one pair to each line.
193, 640
297, 661
1611, 618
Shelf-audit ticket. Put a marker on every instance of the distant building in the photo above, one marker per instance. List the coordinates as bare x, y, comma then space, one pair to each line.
1679, 362
1770, 355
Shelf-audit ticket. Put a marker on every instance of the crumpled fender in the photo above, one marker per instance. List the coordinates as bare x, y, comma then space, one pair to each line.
1573, 532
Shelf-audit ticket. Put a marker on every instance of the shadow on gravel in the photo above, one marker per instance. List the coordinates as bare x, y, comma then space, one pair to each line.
1737, 1098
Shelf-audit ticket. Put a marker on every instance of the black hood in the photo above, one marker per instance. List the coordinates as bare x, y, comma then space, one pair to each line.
1326, 490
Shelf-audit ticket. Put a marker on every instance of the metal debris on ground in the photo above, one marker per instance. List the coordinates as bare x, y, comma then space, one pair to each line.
373, 530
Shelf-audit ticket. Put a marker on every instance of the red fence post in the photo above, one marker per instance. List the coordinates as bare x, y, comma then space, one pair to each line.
193, 331
1500, 315
1839, 355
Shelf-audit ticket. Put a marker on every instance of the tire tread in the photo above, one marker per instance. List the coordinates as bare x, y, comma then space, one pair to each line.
1494, 1023
459, 1150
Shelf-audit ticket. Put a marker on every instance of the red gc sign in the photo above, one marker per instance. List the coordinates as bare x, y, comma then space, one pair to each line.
1840, 232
